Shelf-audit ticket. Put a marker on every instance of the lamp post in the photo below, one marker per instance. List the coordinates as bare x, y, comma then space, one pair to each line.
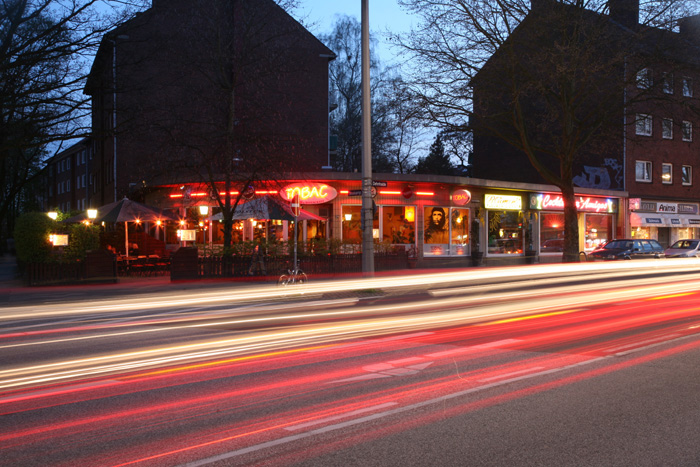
114, 108
367, 211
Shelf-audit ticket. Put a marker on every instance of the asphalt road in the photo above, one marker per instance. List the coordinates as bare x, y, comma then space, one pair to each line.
432, 371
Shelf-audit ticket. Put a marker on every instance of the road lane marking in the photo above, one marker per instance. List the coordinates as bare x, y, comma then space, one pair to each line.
338, 417
377, 416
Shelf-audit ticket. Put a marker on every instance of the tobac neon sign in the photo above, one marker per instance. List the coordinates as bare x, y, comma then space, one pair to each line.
309, 193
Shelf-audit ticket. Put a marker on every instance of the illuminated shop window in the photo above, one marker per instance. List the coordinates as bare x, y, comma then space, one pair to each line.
399, 224
352, 223
505, 233
551, 232
599, 229
446, 231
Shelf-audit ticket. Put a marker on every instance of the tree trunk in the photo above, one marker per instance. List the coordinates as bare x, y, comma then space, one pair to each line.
571, 243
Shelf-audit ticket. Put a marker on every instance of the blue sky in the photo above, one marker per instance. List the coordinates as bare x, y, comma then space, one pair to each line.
383, 15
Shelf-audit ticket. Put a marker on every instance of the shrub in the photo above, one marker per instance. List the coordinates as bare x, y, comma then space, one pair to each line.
31, 233
81, 239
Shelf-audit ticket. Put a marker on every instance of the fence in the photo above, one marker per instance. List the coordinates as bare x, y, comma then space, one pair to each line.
98, 266
320, 265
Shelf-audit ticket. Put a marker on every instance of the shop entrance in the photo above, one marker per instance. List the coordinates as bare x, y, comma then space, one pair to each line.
664, 234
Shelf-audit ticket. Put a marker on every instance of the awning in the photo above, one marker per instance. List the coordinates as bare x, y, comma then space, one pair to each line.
652, 219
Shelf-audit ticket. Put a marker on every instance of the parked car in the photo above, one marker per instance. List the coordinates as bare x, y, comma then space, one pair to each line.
683, 249
628, 248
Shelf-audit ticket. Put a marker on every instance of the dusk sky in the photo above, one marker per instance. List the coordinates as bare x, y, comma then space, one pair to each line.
383, 15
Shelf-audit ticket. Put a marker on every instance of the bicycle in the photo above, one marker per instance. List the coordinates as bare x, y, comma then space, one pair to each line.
293, 276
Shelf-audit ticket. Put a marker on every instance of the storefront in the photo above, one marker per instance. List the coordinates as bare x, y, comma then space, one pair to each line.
664, 221
439, 219
596, 220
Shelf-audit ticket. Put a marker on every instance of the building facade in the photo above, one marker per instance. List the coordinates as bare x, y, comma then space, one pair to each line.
641, 83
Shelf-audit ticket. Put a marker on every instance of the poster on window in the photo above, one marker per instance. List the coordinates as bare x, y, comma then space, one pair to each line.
436, 227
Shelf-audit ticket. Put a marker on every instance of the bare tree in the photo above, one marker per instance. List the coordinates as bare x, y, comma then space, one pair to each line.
550, 80
45, 46
232, 95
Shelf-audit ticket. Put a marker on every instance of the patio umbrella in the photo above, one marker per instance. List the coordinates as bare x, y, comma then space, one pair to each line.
126, 211
269, 208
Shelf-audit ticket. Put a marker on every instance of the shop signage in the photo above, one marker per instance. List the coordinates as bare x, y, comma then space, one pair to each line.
694, 221
379, 183
354, 192
670, 208
635, 204
549, 201
504, 202
461, 197
667, 207
309, 193
407, 192
687, 208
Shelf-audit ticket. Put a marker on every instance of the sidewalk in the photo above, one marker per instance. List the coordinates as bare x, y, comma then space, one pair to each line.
14, 292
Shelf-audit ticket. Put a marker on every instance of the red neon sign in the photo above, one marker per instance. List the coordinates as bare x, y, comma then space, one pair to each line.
309, 193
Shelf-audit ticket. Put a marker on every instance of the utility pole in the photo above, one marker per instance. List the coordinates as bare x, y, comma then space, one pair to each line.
367, 211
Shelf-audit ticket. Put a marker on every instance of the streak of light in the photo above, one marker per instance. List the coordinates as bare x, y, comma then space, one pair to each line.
315, 334
236, 293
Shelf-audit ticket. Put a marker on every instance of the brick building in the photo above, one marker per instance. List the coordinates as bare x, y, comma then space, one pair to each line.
191, 85
639, 81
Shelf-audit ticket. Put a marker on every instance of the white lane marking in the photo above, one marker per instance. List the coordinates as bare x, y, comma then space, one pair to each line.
507, 375
642, 343
338, 417
384, 370
376, 416
472, 348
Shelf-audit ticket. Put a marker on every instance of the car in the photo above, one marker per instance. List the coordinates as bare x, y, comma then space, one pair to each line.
684, 249
628, 248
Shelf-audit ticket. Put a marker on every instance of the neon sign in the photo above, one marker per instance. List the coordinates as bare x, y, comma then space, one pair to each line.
309, 193
461, 197
556, 202
503, 202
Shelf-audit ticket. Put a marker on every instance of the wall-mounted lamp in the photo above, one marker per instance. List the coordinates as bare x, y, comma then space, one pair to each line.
204, 210
92, 213
348, 217
410, 214
52, 214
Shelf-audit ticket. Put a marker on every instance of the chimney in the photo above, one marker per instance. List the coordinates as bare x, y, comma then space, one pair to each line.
690, 29
625, 12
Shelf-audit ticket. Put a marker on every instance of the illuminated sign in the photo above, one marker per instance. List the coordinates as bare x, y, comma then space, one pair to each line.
58, 240
461, 197
548, 201
309, 193
504, 202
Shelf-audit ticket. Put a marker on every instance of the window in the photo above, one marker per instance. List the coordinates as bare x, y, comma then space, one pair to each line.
687, 175
666, 173
643, 171
68, 186
687, 131
551, 232
68, 163
668, 83
505, 233
399, 224
667, 128
644, 78
643, 126
687, 87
